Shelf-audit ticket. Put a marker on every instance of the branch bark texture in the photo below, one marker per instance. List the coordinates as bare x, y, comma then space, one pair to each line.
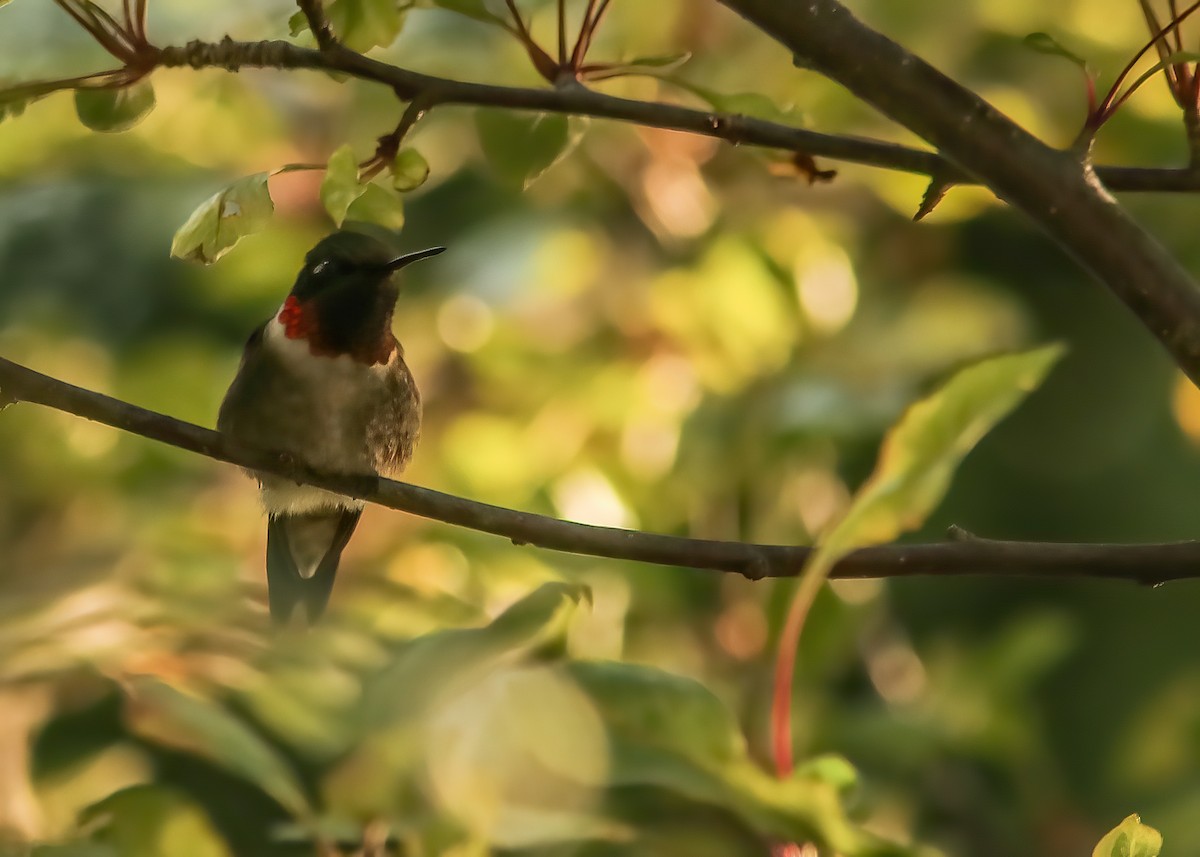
1057, 190
1148, 564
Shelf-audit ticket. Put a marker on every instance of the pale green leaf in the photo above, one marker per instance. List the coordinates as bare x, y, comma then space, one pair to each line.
152, 821
409, 170
174, 718
223, 219
379, 205
1130, 838
114, 109
518, 147
341, 186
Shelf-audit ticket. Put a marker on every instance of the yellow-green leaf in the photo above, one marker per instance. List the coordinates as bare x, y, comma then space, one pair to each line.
152, 821
921, 452
520, 148
379, 205
409, 170
114, 109
223, 219
918, 458
341, 186
1130, 838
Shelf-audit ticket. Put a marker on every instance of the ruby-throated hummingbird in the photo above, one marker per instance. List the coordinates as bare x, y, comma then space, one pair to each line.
325, 381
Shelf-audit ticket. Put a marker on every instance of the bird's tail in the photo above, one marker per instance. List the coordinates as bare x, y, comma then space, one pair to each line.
302, 559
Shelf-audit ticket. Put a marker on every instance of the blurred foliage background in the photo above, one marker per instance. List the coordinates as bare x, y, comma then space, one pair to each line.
659, 332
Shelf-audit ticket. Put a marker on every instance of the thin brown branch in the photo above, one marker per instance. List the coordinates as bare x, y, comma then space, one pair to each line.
579, 50
1111, 101
318, 23
562, 33
591, 28
1148, 564
733, 128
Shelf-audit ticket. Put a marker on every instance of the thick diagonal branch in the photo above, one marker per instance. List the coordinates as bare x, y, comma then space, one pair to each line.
1150, 564
1055, 189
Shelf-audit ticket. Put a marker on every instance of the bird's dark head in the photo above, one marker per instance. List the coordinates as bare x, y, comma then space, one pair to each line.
343, 298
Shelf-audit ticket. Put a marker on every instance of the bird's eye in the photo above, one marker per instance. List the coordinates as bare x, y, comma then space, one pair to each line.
320, 268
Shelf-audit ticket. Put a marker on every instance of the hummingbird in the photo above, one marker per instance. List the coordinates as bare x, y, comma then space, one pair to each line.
324, 381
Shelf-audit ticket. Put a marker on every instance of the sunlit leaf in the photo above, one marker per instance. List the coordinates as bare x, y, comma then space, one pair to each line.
151, 821
114, 109
341, 186
917, 460
409, 170
1044, 43
1130, 838
223, 219
164, 715
919, 455
519, 147
379, 205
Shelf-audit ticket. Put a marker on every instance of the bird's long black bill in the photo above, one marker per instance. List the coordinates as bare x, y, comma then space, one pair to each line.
409, 258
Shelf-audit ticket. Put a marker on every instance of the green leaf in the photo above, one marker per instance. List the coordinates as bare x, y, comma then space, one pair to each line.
1044, 43
341, 186
151, 821
520, 148
358, 24
114, 109
672, 733
921, 452
379, 205
476, 9
668, 61
75, 849
655, 708
1130, 838
409, 170
436, 662
742, 103
365, 24
223, 219
171, 717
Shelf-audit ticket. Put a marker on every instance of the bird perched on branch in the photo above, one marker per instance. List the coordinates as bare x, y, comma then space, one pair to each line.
325, 382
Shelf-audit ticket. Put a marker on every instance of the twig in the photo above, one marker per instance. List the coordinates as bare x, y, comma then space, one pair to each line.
318, 23
733, 128
1147, 564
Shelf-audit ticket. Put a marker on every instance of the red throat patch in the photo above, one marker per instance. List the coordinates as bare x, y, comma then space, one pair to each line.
300, 322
